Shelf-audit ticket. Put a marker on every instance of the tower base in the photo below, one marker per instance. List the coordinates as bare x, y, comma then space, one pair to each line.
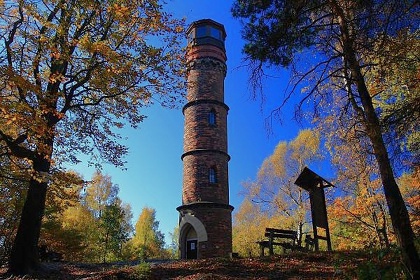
205, 230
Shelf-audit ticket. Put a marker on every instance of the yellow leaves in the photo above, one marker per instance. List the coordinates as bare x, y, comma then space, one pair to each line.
40, 177
101, 47
306, 144
77, 217
84, 41
274, 186
21, 82
11, 117
120, 11
292, 156
248, 227
274, 164
179, 29
147, 239
277, 159
114, 70
43, 39
116, 64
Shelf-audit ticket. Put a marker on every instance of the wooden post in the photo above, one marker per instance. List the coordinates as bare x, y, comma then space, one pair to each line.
327, 231
316, 244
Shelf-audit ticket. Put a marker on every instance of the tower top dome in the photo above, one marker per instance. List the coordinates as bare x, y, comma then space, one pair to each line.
206, 32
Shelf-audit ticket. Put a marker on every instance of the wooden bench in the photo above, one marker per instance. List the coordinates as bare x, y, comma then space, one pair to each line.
273, 235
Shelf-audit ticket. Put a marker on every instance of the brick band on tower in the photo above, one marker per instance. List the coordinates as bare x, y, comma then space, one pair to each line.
205, 213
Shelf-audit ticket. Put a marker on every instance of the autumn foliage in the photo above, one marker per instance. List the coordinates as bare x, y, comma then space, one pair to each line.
356, 206
72, 72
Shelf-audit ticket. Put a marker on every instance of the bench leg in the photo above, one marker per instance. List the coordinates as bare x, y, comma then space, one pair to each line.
261, 251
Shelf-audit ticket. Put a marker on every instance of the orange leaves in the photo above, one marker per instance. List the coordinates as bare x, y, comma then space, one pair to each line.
322, 265
98, 57
120, 11
56, 77
70, 71
410, 189
10, 120
338, 209
359, 219
55, 53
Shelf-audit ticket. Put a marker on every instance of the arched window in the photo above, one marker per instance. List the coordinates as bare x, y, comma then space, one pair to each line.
212, 175
212, 117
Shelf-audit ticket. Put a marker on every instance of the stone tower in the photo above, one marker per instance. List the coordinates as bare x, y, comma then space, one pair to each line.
205, 213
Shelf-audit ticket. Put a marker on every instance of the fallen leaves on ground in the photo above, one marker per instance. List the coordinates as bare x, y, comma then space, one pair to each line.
320, 265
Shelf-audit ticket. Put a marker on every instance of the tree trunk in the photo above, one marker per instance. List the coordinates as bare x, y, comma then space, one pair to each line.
24, 256
397, 209
398, 212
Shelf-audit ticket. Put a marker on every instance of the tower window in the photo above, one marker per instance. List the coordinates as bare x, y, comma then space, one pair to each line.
212, 175
208, 31
215, 33
201, 31
212, 117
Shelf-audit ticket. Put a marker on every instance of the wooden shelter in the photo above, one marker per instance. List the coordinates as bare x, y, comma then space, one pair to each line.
315, 184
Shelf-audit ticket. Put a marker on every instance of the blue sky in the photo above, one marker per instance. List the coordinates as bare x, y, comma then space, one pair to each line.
154, 168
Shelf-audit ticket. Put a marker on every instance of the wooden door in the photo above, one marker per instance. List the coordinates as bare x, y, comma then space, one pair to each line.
192, 249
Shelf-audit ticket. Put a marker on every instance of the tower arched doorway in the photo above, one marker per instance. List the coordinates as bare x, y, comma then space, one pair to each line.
191, 249
192, 234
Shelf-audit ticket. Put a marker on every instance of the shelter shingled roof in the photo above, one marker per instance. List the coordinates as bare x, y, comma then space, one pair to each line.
309, 179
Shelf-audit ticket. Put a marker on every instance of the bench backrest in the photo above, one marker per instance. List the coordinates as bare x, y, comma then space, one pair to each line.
280, 233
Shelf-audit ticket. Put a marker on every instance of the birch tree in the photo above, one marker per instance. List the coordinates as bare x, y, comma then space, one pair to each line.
274, 186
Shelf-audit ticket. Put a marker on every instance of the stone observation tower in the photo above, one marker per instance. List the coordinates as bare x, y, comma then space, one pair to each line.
205, 214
